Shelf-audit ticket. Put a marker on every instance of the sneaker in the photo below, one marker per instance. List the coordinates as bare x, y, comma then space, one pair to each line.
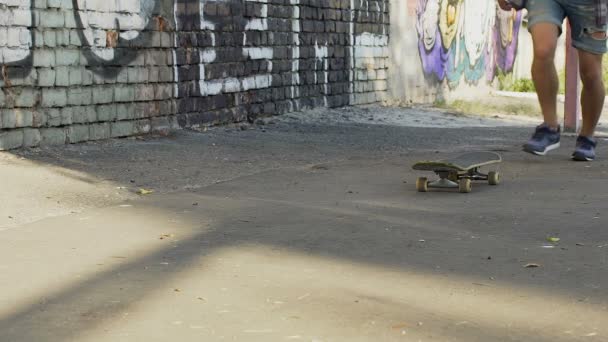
585, 149
544, 140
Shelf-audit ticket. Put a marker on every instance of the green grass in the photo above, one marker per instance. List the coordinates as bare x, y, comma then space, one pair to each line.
507, 83
489, 108
494, 106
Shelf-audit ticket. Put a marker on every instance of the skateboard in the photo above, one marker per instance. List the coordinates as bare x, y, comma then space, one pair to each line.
458, 172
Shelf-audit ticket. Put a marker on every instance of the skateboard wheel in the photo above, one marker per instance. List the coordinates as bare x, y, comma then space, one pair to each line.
422, 184
465, 186
493, 178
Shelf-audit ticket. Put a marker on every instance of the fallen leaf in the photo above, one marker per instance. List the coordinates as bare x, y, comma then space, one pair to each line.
399, 326
144, 192
553, 239
304, 296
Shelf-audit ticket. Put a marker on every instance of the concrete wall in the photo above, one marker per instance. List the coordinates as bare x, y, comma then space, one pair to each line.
523, 62
443, 49
77, 70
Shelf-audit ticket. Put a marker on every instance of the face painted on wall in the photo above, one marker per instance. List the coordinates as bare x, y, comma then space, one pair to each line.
104, 32
113, 34
505, 39
506, 22
428, 24
479, 19
449, 19
476, 37
433, 55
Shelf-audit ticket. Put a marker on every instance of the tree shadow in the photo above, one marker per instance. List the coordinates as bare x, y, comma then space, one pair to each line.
340, 212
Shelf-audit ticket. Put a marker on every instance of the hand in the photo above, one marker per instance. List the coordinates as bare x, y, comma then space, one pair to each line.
505, 5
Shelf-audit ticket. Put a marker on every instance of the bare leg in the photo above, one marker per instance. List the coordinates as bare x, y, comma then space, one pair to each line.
594, 93
544, 74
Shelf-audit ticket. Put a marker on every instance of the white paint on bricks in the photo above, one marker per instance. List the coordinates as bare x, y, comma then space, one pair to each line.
258, 24
15, 37
129, 18
208, 56
259, 52
322, 56
205, 24
174, 53
295, 51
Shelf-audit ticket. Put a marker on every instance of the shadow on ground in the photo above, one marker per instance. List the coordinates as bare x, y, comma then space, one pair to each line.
303, 232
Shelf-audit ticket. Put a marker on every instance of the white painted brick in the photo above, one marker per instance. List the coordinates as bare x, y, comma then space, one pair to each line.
31, 137
52, 19
44, 58
54, 97
11, 139
68, 57
52, 136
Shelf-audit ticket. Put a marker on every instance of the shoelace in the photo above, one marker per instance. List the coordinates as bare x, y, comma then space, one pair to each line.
586, 144
540, 132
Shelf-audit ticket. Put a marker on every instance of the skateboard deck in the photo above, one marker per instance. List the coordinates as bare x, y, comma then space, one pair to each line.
459, 171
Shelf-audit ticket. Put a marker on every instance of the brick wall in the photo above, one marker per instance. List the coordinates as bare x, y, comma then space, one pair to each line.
78, 70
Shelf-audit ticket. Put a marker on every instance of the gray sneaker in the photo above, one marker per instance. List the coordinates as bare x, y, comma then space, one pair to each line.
544, 140
585, 149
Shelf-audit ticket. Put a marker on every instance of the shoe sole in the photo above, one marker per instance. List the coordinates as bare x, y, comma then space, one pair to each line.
543, 153
579, 157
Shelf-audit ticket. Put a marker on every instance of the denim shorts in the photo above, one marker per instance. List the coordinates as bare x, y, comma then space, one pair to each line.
583, 17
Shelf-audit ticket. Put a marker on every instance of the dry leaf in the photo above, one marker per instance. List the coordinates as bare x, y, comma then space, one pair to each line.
144, 192
165, 236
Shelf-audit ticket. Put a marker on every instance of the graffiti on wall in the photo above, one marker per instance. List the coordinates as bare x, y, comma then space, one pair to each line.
468, 40
111, 38
195, 61
16, 55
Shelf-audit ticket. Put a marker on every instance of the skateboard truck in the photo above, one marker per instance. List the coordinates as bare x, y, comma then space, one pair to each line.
458, 173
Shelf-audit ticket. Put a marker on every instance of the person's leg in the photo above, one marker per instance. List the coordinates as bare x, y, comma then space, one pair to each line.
544, 73
589, 37
545, 18
594, 92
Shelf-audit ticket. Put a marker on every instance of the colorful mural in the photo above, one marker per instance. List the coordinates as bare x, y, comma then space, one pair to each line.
466, 40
